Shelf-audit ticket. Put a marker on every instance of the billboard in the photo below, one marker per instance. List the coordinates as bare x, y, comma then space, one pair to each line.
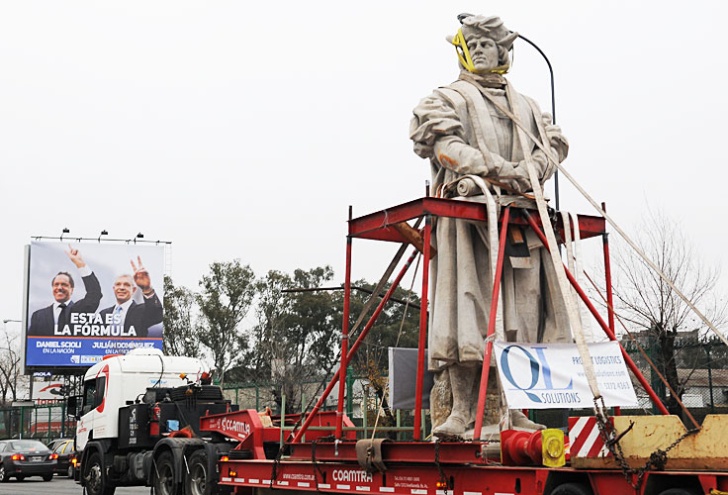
89, 300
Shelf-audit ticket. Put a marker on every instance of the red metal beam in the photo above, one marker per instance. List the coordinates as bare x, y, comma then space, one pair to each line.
344, 337
422, 341
377, 225
485, 369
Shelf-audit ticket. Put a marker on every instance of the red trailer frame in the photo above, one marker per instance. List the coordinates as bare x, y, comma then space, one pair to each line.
313, 462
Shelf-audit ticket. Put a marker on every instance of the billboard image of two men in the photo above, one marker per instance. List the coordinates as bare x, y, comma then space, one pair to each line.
95, 304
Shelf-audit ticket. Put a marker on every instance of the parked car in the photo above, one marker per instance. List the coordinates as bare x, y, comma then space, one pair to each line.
23, 458
56, 442
66, 454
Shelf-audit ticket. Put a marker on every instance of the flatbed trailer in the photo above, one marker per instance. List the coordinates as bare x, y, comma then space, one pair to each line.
144, 422
321, 453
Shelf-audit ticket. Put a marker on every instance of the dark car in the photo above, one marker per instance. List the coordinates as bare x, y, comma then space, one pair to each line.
22, 458
66, 453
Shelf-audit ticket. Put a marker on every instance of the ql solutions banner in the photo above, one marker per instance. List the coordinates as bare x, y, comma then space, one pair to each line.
551, 376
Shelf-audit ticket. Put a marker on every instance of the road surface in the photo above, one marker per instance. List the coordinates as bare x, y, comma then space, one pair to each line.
59, 486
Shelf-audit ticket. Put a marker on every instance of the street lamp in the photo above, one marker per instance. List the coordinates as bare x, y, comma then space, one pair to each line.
5, 324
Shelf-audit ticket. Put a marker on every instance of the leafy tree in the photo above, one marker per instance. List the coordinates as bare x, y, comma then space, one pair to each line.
313, 326
180, 339
225, 297
307, 345
653, 307
295, 338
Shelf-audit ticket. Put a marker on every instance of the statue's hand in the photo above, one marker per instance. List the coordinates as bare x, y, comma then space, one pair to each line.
514, 175
521, 181
557, 141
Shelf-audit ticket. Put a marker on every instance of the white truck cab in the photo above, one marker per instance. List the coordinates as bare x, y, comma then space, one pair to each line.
121, 380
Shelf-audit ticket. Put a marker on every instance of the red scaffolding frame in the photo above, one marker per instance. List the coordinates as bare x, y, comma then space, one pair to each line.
392, 225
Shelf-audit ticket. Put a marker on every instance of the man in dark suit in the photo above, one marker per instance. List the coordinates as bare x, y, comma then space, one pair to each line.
51, 320
126, 317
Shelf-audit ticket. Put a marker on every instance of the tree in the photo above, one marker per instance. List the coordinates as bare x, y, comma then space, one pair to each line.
272, 311
396, 326
295, 338
307, 343
652, 306
180, 339
225, 297
11, 376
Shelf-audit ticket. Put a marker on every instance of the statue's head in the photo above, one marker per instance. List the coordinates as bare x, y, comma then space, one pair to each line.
483, 43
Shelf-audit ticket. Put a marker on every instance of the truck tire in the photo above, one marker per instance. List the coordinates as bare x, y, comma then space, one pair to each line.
94, 477
572, 489
164, 476
197, 481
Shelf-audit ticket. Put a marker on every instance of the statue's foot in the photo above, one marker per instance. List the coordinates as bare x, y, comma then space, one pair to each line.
520, 420
454, 426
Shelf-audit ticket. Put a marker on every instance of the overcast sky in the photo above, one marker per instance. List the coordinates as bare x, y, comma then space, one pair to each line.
246, 129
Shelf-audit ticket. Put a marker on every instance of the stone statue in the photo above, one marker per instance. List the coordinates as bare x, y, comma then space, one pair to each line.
469, 133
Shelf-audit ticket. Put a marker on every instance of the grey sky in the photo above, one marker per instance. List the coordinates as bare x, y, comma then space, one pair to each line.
245, 129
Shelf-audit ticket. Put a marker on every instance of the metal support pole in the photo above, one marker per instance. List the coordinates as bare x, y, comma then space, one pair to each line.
710, 378
283, 418
344, 338
608, 288
608, 277
485, 371
365, 412
422, 342
350, 392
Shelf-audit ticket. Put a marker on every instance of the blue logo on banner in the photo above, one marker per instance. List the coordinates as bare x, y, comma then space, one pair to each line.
540, 371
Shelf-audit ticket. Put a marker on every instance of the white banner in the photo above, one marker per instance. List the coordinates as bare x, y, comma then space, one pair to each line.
551, 376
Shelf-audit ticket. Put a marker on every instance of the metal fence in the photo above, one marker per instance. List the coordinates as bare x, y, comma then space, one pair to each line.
44, 422
702, 373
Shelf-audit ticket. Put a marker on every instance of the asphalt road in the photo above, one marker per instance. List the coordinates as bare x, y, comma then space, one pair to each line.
59, 486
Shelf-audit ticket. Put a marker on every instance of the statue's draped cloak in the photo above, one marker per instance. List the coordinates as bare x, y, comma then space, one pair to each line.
461, 279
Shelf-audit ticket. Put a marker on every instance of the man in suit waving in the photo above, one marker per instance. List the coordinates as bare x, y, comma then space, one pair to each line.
51, 320
126, 317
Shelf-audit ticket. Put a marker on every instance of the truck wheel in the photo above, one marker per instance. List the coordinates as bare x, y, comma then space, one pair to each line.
197, 481
95, 478
164, 482
572, 489
679, 491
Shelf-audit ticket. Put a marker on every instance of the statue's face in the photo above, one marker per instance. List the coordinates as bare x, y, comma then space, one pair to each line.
483, 51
